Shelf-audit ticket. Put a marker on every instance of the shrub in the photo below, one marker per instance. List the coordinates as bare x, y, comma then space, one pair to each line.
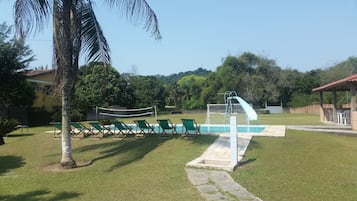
6, 126
106, 121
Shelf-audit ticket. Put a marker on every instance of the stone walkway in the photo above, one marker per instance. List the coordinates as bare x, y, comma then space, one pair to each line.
218, 185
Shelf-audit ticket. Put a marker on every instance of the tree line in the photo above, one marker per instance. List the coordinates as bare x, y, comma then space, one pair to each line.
256, 79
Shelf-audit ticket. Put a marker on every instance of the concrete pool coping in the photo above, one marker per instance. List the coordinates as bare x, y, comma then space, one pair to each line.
217, 155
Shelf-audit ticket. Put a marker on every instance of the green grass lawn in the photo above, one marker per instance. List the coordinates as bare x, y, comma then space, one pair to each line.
301, 166
151, 168
289, 119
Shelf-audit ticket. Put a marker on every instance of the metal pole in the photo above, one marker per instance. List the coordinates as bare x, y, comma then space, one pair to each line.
96, 113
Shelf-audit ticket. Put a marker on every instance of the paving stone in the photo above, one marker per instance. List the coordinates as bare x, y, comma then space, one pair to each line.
197, 177
207, 188
241, 194
215, 196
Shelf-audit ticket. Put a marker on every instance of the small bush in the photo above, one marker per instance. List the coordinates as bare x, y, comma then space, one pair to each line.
76, 115
6, 126
263, 111
106, 121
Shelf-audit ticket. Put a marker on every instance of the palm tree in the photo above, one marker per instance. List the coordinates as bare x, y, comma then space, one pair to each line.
75, 29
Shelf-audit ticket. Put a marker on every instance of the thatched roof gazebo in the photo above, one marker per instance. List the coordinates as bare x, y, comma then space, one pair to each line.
339, 115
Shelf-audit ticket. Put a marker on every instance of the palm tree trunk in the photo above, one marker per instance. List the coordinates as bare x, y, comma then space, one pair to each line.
64, 62
67, 160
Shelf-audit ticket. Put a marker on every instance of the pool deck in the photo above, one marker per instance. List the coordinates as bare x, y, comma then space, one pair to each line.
217, 155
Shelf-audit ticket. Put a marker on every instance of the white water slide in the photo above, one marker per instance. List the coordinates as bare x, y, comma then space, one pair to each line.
251, 114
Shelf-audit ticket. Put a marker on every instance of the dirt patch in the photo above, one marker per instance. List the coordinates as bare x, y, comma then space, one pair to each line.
56, 167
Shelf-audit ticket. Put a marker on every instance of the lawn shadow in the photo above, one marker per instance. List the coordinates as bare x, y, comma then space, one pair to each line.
19, 135
253, 144
37, 195
202, 139
8, 163
127, 151
246, 161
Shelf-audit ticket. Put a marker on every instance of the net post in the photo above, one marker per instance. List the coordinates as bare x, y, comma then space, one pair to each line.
155, 112
208, 115
96, 113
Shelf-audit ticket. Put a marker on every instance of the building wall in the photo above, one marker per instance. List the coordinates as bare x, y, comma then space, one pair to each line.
42, 84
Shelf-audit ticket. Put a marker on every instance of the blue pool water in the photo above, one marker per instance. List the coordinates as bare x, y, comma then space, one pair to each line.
217, 128
226, 128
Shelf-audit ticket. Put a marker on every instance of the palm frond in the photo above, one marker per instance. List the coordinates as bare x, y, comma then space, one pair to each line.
95, 45
30, 15
138, 10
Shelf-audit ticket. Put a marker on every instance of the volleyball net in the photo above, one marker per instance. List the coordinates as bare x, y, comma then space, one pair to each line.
102, 112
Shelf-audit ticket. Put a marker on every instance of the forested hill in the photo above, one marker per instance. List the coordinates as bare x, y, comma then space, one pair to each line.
170, 79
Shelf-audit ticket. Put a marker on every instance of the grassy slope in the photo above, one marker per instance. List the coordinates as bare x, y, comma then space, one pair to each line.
145, 169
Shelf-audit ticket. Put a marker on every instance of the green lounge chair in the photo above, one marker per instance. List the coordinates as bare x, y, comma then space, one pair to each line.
190, 125
98, 131
166, 124
79, 130
144, 126
121, 130
57, 132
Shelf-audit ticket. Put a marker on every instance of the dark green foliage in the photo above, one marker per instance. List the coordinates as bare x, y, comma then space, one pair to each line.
106, 121
14, 58
39, 117
190, 91
148, 91
171, 79
338, 71
6, 126
300, 100
256, 79
76, 115
100, 85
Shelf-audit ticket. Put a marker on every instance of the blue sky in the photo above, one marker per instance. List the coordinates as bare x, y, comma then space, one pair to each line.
302, 35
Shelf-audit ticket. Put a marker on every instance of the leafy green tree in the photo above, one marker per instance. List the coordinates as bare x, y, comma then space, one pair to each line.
269, 73
171, 79
254, 78
307, 82
190, 88
147, 91
75, 30
287, 84
14, 59
173, 95
338, 71
101, 85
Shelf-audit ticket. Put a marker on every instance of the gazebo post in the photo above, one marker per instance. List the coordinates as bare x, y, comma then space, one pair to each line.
334, 106
353, 107
353, 98
322, 111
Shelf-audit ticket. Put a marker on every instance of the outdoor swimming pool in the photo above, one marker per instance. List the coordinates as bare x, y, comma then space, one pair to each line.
216, 128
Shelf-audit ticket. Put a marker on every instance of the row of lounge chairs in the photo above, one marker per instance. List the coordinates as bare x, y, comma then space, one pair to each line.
120, 130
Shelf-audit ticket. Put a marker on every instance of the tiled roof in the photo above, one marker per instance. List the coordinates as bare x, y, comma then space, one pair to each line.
339, 85
37, 72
